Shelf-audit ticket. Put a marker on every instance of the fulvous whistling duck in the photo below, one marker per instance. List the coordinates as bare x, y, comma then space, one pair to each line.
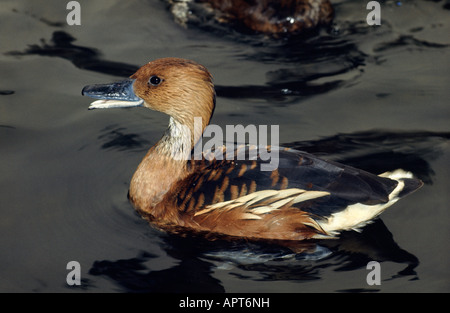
272, 17
304, 197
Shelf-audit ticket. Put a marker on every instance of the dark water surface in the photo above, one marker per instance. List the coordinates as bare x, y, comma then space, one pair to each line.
372, 97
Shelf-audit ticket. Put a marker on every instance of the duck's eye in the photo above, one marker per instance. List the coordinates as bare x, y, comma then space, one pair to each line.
154, 80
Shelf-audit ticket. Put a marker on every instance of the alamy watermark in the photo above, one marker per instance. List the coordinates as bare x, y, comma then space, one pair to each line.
74, 16
374, 16
211, 143
374, 276
73, 278
235, 143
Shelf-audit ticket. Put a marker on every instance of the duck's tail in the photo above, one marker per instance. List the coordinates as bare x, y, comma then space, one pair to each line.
357, 215
408, 183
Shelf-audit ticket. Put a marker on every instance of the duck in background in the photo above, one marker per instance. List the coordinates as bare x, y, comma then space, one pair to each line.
269, 17
304, 197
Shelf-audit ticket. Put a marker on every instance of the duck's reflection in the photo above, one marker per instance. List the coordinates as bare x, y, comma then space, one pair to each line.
132, 275
199, 259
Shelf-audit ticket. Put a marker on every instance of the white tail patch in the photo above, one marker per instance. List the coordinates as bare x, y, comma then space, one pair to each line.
397, 174
358, 215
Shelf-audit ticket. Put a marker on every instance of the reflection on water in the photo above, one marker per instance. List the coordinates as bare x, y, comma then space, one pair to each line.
379, 151
319, 62
316, 66
407, 41
82, 57
293, 69
198, 259
116, 137
320, 57
191, 274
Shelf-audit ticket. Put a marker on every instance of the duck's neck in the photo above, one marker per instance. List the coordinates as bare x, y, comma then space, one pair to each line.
177, 141
163, 166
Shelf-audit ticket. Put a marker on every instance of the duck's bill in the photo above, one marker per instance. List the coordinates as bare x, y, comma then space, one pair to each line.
114, 95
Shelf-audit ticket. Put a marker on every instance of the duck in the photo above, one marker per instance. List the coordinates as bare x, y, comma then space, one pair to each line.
217, 195
269, 17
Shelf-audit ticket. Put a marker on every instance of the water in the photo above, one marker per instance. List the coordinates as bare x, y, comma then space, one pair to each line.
372, 97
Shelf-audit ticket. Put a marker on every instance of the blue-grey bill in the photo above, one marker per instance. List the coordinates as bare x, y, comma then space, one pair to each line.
114, 95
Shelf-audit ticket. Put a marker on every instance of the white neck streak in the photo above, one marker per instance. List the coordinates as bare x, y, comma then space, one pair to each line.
176, 142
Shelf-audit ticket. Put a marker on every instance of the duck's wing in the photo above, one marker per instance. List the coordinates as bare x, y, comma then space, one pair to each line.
304, 193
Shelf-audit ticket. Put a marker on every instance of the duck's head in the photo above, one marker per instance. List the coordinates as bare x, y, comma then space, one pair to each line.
180, 88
